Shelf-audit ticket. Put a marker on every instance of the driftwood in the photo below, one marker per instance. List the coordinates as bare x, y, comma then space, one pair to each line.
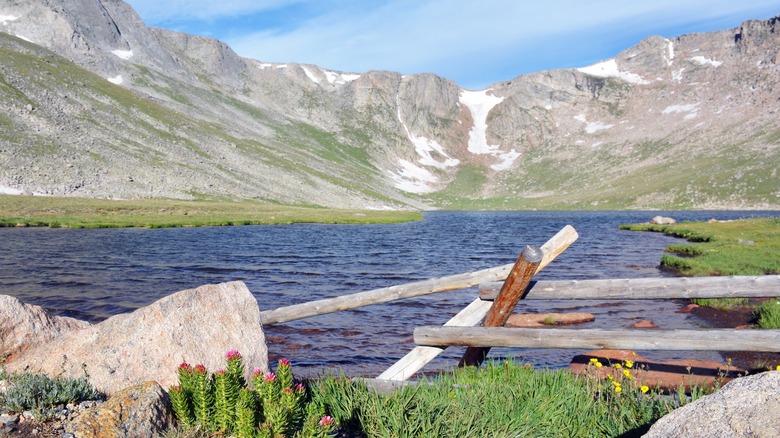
511, 292
473, 314
646, 288
710, 339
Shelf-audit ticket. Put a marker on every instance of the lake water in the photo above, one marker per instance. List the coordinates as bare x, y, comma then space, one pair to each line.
93, 274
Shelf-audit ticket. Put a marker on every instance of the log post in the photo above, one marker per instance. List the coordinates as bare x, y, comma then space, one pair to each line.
511, 292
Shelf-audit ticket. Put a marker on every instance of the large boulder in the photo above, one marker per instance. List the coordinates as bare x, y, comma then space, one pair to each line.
663, 220
745, 407
23, 326
140, 411
196, 325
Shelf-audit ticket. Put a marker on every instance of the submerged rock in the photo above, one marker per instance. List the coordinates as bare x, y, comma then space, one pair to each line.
197, 325
548, 319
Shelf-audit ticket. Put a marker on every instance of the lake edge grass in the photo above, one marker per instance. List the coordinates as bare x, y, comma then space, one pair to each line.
72, 212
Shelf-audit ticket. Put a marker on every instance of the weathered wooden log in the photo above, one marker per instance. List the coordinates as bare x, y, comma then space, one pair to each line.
473, 314
646, 288
513, 288
710, 339
408, 290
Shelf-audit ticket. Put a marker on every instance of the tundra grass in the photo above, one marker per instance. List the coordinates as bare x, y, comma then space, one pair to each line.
498, 400
66, 212
743, 247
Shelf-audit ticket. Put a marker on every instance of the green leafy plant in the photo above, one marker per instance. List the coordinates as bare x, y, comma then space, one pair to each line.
38, 391
275, 405
768, 315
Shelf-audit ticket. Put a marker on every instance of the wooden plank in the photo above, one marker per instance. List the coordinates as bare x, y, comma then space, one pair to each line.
625, 339
473, 314
511, 292
646, 288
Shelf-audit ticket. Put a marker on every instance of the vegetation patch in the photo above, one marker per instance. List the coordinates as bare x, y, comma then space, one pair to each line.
743, 247
67, 212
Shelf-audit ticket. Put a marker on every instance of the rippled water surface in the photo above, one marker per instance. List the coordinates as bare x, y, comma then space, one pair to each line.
93, 274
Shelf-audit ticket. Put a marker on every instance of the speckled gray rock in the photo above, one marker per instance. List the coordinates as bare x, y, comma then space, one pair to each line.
745, 407
196, 325
140, 411
23, 326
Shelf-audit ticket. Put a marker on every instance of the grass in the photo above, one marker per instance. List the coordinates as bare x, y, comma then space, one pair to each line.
744, 247
768, 315
65, 212
500, 399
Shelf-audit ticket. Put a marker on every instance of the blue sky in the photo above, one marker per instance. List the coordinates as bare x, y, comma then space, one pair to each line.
474, 43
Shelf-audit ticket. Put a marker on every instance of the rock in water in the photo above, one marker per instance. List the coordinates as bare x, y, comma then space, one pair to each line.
23, 326
745, 407
196, 325
662, 220
140, 411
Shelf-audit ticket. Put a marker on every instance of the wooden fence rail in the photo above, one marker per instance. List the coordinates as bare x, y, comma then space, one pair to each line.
646, 288
602, 339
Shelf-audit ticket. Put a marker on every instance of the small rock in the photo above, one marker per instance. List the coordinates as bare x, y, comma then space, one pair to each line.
644, 324
138, 411
746, 242
8, 419
546, 319
662, 220
688, 308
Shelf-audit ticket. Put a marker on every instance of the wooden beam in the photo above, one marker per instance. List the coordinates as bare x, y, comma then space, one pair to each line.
511, 292
626, 339
473, 314
754, 286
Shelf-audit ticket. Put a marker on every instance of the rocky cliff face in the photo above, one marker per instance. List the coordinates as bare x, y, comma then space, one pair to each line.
98, 104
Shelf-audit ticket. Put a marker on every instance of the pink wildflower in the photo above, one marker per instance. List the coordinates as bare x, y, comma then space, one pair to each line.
299, 387
284, 362
220, 371
326, 421
257, 372
232, 354
270, 377
176, 388
200, 369
287, 391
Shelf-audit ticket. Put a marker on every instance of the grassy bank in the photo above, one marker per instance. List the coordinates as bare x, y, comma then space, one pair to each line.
743, 247
44, 211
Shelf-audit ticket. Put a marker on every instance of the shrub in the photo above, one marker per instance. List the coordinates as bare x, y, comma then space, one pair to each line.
768, 315
38, 392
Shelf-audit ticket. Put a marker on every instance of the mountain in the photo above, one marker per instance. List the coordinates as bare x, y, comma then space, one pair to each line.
95, 103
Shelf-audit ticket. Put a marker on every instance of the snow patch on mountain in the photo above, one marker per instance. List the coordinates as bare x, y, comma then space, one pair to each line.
116, 79
592, 127
4, 19
609, 69
123, 54
669, 53
311, 75
339, 78
413, 178
706, 61
691, 110
479, 104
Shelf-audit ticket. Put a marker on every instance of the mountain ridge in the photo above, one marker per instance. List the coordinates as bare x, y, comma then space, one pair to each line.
685, 122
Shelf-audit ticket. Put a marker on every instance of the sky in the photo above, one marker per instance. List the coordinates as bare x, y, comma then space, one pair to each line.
475, 43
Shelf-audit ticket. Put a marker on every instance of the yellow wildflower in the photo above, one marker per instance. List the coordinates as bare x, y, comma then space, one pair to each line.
629, 364
644, 389
615, 383
627, 373
598, 364
593, 360
617, 365
778, 368
609, 376
618, 389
